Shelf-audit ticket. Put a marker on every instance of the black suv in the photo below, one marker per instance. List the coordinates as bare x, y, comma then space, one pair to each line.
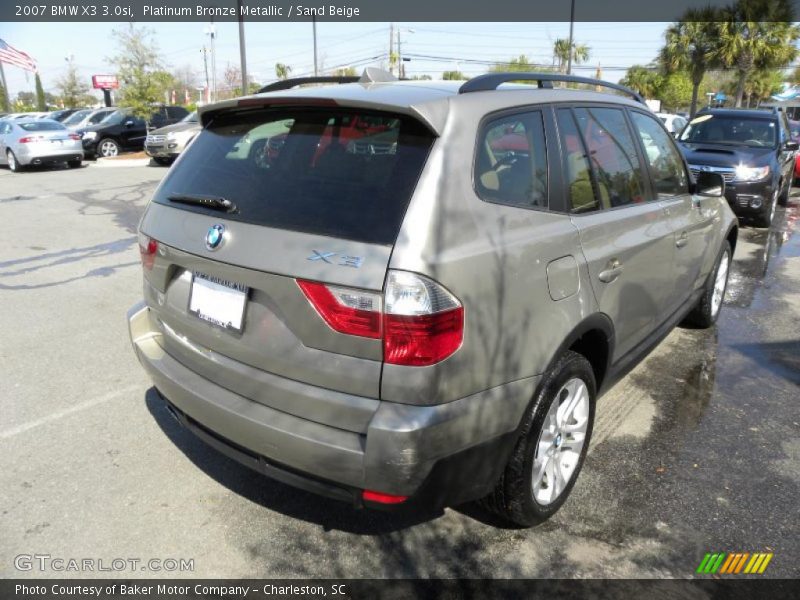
751, 149
122, 131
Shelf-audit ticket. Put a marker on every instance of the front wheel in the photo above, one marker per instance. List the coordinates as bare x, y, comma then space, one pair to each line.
706, 311
552, 446
764, 218
107, 148
164, 162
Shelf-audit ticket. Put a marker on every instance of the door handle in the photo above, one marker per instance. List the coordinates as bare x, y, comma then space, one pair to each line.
682, 240
612, 271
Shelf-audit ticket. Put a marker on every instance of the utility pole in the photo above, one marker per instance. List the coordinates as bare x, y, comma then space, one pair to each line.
571, 24
242, 56
205, 65
314, 30
391, 47
212, 33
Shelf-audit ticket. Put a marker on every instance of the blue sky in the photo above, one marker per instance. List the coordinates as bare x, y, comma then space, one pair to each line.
445, 46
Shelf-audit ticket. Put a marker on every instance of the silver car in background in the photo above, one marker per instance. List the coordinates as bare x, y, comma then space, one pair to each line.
166, 143
83, 118
38, 142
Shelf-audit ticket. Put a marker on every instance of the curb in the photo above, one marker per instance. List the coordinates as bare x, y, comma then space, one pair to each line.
114, 162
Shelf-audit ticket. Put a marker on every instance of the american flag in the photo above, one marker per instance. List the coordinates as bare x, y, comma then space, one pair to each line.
12, 56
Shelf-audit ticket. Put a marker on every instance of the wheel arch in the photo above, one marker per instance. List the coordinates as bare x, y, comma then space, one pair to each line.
593, 338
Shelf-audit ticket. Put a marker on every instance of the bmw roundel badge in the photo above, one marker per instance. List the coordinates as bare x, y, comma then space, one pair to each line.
215, 236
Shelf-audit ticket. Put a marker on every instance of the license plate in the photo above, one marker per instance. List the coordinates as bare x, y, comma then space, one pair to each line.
217, 301
59, 142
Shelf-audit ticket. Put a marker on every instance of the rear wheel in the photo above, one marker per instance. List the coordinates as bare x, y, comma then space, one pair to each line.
107, 148
705, 313
13, 163
552, 445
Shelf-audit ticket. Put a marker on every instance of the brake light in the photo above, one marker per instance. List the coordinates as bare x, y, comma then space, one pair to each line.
381, 498
74, 136
419, 321
147, 251
353, 312
30, 138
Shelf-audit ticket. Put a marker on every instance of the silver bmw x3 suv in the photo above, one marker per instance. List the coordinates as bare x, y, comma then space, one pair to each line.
395, 293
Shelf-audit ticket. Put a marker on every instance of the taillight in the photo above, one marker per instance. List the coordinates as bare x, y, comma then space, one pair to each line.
30, 138
353, 312
147, 250
423, 323
419, 321
75, 136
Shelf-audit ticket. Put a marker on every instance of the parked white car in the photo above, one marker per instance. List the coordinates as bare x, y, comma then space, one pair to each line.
673, 123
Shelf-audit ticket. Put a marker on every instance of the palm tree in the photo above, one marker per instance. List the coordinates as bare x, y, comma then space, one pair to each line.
642, 79
580, 54
756, 35
282, 71
691, 46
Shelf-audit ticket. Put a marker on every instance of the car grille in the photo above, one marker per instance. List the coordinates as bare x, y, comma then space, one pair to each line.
728, 173
155, 139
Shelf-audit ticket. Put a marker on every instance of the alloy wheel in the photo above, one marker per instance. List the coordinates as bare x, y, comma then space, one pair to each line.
560, 443
108, 148
720, 283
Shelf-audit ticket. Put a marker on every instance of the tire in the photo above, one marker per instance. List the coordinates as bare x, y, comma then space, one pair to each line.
107, 148
13, 163
784, 197
764, 218
74, 164
164, 162
523, 497
707, 309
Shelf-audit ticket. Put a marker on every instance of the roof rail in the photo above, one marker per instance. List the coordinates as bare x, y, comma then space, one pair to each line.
491, 81
287, 84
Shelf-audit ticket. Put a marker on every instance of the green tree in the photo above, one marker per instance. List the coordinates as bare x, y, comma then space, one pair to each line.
345, 72
691, 47
759, 85
72, 89
137, 62
25, 102
645, 80
580, 54
520, 64
4, 103
41, 104
756, 35
454, 76
282, 71
675, 90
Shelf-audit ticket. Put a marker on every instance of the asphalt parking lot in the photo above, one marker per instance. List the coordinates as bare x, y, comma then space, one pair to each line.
697, 450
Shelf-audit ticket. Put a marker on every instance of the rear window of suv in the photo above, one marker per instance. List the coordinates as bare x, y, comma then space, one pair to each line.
336, 172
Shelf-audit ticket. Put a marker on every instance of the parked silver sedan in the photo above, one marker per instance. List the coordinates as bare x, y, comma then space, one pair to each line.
38, 142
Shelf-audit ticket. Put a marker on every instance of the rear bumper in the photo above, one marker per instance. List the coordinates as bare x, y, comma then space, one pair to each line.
49, 155
438, 455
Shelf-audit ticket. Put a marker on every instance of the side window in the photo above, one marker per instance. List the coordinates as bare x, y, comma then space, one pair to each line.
666, 164
511, 162
613, 156
581, 196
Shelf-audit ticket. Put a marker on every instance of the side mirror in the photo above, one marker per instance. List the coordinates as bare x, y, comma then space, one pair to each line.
791, 146
709, 184
128, 123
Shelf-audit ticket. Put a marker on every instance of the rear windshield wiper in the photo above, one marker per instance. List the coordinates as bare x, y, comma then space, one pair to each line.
212, 202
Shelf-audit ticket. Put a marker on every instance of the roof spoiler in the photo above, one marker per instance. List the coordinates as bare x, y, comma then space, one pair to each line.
370, 75
492, 81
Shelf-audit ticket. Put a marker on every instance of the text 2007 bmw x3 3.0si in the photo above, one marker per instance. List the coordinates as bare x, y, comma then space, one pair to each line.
397, 292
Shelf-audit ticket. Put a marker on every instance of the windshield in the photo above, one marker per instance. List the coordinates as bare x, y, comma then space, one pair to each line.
190, 118
731, 130
337, 172
77, 117
44, 125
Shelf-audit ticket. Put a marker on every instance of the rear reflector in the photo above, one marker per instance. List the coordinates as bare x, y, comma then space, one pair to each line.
353, 312
419, 321
147, 250
381, 498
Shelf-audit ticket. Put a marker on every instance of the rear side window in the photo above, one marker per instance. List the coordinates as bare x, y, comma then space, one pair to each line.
666, 164
337, 172
580, 188
613, 156
511, 162
42, 126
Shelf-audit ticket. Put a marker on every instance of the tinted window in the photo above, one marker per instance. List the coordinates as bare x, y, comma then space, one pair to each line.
100, 116
329, 172
45, 125
511, 163
666, 164
612, 154
580, 189
731, 129
77, 117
